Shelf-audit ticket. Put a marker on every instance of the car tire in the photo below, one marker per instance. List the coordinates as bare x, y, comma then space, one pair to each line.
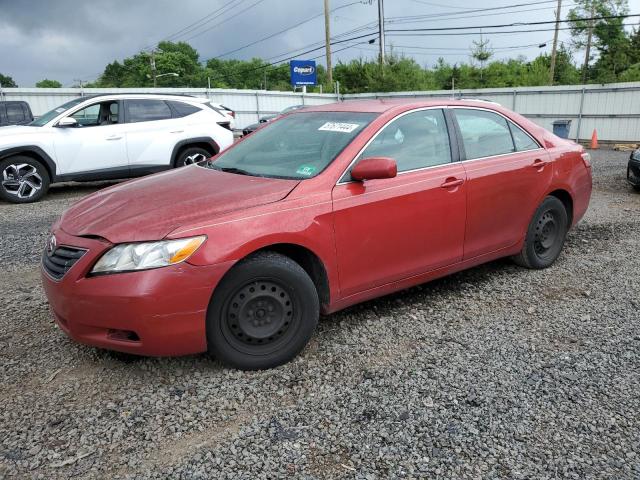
545, 236
191, 155
23, 179
263, 313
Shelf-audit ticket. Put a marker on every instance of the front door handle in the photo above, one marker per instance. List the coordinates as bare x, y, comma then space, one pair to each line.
452, 182
177, 131
114, 137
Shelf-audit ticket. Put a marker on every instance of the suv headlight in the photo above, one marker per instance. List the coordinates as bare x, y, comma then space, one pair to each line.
636, 154
128, 257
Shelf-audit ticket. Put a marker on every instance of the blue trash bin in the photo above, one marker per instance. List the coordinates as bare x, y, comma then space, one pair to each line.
561, 128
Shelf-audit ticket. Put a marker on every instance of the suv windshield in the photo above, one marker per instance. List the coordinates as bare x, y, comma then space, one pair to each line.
298, 146
47, 117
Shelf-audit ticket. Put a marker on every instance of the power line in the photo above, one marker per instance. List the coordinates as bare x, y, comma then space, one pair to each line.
505, 25
224, 21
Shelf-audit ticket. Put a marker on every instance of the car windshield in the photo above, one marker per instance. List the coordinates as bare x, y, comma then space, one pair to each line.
47, 117
298, 146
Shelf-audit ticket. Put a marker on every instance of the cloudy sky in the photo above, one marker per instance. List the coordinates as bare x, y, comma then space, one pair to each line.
73, 39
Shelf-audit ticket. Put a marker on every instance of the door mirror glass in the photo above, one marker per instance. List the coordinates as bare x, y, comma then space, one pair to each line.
68, 122
374, 168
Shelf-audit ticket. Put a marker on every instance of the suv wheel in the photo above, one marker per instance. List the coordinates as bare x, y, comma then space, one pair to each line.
191, 155
262, 313
23, 180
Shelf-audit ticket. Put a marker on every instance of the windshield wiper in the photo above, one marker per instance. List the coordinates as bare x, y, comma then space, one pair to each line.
238, 171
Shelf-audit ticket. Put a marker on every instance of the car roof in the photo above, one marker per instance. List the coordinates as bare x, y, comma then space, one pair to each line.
384, 105
161, 96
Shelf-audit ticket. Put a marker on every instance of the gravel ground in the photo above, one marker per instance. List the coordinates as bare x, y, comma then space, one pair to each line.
496, 372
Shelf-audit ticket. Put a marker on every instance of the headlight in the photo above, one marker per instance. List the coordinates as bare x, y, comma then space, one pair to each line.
127, 257
636, 154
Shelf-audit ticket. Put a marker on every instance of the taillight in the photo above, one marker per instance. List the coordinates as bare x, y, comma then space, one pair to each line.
232, 113
586, 158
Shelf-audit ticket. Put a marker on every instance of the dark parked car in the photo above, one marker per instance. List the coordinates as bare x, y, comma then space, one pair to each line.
268, 118
15, 113
633, 169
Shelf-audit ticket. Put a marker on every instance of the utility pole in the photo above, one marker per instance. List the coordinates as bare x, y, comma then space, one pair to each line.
554, 51
327, 38
381, 30
589, 39
153, 68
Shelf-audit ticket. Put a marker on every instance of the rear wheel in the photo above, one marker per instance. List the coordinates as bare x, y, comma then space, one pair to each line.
191, 155
263, 313
23, 180
545, 236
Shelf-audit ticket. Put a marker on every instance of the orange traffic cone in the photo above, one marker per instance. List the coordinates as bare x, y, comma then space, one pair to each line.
594, 140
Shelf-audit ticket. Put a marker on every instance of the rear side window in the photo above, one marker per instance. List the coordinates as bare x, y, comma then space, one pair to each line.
484, 134
521, 139
144, 110
182, 109
15, 113
416, 140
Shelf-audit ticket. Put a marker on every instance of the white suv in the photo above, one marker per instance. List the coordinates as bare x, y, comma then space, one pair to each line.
108, 137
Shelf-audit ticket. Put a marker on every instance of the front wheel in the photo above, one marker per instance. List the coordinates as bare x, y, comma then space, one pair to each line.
23, 180
545, 236
191, 155
262, 313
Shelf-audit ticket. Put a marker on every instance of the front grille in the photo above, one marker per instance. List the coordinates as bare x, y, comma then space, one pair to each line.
62, 259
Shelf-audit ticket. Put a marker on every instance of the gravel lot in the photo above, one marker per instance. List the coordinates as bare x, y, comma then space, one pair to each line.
496, 372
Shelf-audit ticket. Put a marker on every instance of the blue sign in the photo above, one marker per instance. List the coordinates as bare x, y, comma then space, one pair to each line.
303, 72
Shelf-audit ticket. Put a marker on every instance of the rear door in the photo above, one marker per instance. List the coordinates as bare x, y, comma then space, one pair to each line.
151, 133
507, 173
391, 229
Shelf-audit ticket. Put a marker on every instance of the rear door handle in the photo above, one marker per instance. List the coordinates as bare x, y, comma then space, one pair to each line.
114, 137
539, 164
452, 182
177, 131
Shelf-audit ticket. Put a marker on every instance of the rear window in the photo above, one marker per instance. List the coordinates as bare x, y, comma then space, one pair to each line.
144, 110
15, 113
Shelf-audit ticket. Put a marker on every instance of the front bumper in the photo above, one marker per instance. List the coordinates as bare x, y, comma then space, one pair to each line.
633, 172
159, 312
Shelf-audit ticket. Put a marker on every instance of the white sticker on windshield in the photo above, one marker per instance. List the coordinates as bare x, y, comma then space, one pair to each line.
339, 127
60, 110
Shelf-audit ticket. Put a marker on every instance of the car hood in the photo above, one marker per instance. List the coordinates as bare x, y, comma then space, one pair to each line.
10, 132
152, 207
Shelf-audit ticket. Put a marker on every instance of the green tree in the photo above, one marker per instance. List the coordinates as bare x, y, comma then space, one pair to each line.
7, 82
46, 83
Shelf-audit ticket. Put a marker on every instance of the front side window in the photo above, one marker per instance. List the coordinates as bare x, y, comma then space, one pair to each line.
484, 134
416, 140
143, 110
98, 114
298, 146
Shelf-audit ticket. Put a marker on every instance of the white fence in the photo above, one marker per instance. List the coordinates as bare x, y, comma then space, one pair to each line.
614, 109
249, 105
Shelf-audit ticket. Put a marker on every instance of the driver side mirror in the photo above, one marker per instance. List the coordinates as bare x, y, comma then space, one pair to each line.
67, 122
374, 168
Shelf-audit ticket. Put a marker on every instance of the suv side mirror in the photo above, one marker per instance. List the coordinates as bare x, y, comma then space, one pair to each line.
67, 122
374, 168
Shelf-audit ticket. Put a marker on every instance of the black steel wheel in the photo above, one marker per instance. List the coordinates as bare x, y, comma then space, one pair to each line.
545, 236
263, 312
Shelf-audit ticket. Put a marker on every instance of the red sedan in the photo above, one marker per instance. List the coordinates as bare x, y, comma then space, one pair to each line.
321, 209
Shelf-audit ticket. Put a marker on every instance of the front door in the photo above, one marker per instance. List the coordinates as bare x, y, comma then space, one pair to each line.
391, 229
96, 144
